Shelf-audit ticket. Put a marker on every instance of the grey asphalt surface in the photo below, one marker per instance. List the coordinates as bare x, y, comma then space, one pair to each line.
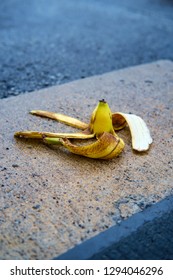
152, 241
146, 235
47, 44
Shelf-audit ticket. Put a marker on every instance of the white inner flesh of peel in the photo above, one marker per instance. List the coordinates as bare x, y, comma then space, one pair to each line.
141, 138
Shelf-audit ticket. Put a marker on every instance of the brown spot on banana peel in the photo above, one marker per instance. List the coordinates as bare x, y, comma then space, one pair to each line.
107, 146
118, 121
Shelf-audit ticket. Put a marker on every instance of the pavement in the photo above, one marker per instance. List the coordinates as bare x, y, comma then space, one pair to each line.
52, 200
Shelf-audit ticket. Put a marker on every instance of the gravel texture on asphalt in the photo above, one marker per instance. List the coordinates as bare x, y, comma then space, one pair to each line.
43, 45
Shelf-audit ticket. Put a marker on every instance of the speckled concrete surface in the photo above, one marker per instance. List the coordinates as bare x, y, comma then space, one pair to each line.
51, 200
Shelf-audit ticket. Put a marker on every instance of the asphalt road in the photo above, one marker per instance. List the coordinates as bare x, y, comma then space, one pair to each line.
45, 44
146, 235
152, 241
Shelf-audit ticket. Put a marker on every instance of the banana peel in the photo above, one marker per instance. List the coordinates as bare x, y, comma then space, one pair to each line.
102, 126
141, 138
105, 147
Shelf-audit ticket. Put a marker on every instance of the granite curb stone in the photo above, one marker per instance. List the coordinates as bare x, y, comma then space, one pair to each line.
52, 200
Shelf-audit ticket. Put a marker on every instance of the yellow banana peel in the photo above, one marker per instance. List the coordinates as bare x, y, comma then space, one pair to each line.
102, 126
106, 146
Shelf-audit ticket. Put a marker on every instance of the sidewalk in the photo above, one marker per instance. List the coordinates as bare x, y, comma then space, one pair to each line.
52, 200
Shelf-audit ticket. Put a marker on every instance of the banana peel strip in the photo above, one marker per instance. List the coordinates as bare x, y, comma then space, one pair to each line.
107, 146
141, 138
61, 118
41, 135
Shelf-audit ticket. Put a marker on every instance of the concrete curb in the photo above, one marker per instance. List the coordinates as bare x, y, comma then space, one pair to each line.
113, 235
